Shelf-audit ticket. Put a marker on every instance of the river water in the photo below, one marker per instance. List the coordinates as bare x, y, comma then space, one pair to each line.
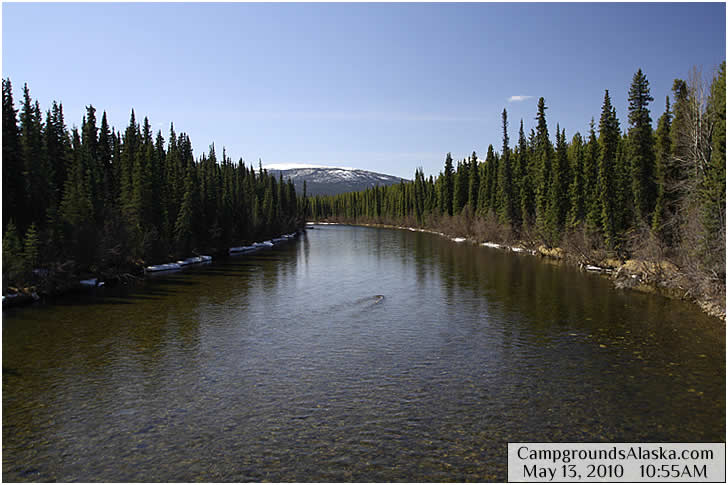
350, 354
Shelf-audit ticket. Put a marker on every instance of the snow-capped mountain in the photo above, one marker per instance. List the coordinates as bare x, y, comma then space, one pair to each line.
322, 180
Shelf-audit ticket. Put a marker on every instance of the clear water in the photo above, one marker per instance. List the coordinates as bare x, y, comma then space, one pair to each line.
351, 354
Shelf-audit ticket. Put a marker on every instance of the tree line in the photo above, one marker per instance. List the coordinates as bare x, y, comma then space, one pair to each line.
639, 191
96, 200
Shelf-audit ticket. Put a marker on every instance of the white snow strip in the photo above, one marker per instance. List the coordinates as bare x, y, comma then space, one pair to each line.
163, 267
516, 250
491, 245
293, 166
590, 267
89, 282
458, 239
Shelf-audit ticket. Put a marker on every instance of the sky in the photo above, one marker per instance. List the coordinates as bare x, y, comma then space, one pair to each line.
385, 87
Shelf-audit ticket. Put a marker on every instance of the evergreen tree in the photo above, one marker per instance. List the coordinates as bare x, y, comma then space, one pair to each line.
105, 153
76, 208
557, 204
13, 263
446, 194
642, 151
31, 248
474, 182
185, 225
14, 195
592, 197
37, 174
712, 192
527, 195
461, 188
577, 192
666, 206
543, 154
608, 173
507, 201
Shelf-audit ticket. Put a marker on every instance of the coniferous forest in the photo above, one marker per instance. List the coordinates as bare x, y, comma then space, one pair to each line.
97, 201
621, 190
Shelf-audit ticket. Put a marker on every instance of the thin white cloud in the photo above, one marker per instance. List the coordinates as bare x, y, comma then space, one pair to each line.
518, 98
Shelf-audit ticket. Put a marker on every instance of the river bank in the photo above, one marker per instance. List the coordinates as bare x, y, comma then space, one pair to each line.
52, 285
661, 277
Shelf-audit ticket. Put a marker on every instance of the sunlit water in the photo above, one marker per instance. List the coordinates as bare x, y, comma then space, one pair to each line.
350, 354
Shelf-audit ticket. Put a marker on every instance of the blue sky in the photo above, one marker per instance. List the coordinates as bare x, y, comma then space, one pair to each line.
385, 87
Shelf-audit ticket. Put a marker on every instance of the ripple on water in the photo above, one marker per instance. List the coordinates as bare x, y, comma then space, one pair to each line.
288, 366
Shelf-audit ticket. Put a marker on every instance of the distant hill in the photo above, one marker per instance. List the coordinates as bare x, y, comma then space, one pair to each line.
332, 180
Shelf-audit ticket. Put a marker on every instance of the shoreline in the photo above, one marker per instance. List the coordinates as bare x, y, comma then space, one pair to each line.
636, 275
28, 295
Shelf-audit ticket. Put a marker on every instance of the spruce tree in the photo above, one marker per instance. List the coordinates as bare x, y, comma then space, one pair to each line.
13, 263
608, 173
543, 154
14, 191
712, 190
557, 204
527, 195
446, 194
37, 174
506, 198
31, 248
665, 206
460, 189
641, 148
577, 197
592, 197
474, 183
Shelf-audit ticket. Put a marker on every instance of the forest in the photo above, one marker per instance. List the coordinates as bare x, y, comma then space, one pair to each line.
96, 201
652, 194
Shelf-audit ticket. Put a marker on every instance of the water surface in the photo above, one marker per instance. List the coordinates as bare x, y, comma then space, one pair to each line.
350, 354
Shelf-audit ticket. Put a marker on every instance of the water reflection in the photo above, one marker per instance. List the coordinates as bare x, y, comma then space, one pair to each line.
285, 365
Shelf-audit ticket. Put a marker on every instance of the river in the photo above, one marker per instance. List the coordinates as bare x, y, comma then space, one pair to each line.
350, 354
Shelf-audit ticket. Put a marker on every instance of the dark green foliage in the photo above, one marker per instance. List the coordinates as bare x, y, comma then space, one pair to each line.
557, 204
712, 191
608, 178
592, 200
13, 263
446, 189
107, 202
525, 179
506, 200
543, 155
474, 183
12, 161
577, 189
666, 204
641, 148
489, 183
31, 248
461, 188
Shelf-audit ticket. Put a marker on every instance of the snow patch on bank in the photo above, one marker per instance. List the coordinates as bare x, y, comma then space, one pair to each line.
491, 245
